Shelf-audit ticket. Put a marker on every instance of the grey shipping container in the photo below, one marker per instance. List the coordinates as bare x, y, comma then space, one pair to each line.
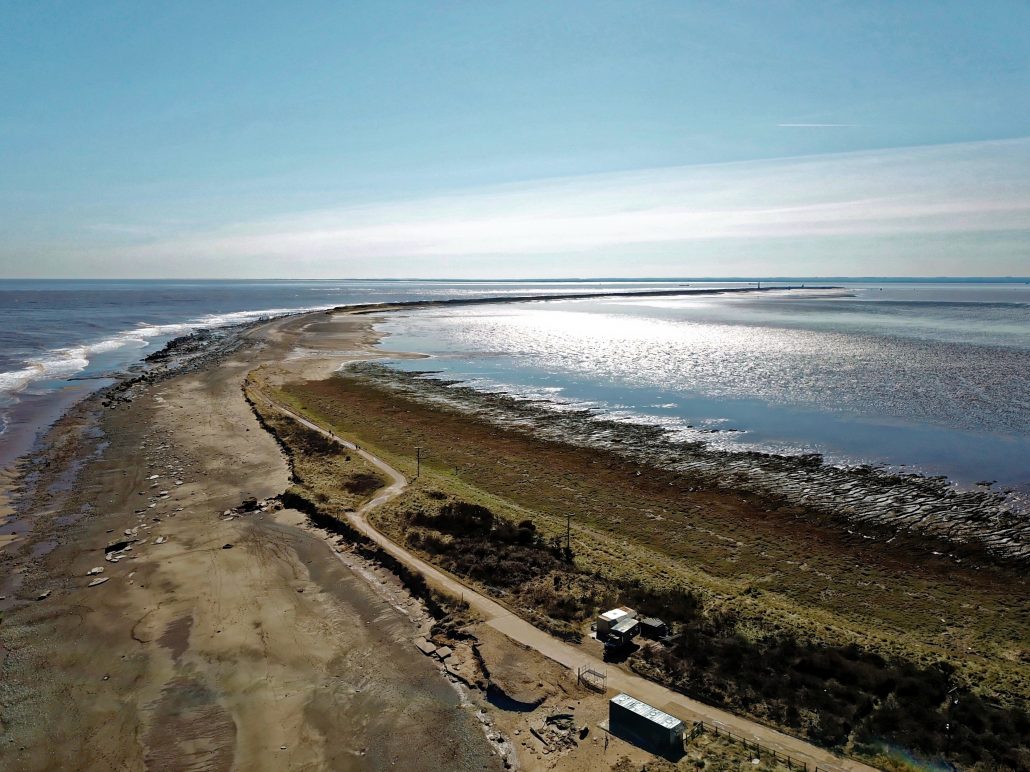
638, 722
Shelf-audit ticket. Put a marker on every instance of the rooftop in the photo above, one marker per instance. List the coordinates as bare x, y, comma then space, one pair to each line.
643, 709
624, 625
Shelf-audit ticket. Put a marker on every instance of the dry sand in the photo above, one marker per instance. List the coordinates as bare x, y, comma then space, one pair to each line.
267, 654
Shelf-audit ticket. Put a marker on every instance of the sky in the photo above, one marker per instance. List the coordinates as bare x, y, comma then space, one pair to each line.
521, 139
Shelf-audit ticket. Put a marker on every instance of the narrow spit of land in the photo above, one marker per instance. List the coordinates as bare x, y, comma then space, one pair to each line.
496, 300
268, 654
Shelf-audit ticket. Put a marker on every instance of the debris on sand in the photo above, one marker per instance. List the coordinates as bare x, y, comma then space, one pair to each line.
251, 505
424, 646
98, 580
95, 571
558, 732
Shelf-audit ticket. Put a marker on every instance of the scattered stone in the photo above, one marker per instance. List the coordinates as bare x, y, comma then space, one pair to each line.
95, 571
226, 546
44, 595
98, 580
160, 540
424, 646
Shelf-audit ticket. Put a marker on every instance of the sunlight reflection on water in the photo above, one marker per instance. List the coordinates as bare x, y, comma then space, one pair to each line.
939, 384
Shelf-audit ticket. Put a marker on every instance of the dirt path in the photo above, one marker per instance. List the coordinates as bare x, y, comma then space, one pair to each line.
517, 629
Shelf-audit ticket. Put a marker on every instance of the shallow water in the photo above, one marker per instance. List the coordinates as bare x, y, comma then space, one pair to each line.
58, 337
931, 376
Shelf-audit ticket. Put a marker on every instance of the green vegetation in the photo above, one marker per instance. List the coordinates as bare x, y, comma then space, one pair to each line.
842, 697
850, 666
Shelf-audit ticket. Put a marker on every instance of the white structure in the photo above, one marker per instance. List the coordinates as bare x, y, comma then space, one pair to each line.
608, 619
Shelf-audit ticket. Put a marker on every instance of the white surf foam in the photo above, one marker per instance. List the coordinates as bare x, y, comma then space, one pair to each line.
63, 363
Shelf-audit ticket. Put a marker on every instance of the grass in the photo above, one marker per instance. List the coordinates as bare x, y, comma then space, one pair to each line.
777, 580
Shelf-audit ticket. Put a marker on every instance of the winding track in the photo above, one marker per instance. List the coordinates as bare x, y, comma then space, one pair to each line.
521, 631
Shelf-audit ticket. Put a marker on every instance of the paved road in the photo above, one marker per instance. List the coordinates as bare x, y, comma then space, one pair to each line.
572, 657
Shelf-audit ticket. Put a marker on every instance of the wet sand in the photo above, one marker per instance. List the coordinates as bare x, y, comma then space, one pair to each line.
241, 643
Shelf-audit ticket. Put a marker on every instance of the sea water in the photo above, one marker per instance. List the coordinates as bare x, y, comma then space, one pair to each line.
59, 339
931, 378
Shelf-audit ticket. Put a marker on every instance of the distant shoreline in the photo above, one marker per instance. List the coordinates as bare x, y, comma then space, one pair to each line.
495, 299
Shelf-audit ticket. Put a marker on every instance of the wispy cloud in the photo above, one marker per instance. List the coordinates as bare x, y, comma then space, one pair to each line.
818, 125
962, 188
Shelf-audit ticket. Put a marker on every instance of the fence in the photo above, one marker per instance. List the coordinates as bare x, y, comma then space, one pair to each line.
592, 679
750, 745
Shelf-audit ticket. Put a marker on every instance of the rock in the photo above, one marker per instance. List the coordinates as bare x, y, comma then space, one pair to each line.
160, 540
95, 571
98, 580
444, 652
424, 646
226, 546
44, 595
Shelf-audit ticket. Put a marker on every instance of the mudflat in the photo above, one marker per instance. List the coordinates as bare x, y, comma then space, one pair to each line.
145, 629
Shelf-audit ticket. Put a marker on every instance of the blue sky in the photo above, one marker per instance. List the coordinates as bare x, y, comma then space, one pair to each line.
514, 139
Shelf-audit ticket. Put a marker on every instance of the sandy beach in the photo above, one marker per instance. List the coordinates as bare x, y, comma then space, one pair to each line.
212, 643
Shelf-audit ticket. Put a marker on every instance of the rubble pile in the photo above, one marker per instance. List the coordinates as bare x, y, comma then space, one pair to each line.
558, 732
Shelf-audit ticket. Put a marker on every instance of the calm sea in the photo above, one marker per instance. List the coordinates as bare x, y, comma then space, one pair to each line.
929, 377
59, 338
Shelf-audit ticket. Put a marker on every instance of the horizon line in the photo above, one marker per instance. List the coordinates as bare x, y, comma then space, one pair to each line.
754, 278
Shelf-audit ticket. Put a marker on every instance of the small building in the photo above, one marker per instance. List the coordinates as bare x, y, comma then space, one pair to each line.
610, 618
623, 632
654, 628
644, 725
